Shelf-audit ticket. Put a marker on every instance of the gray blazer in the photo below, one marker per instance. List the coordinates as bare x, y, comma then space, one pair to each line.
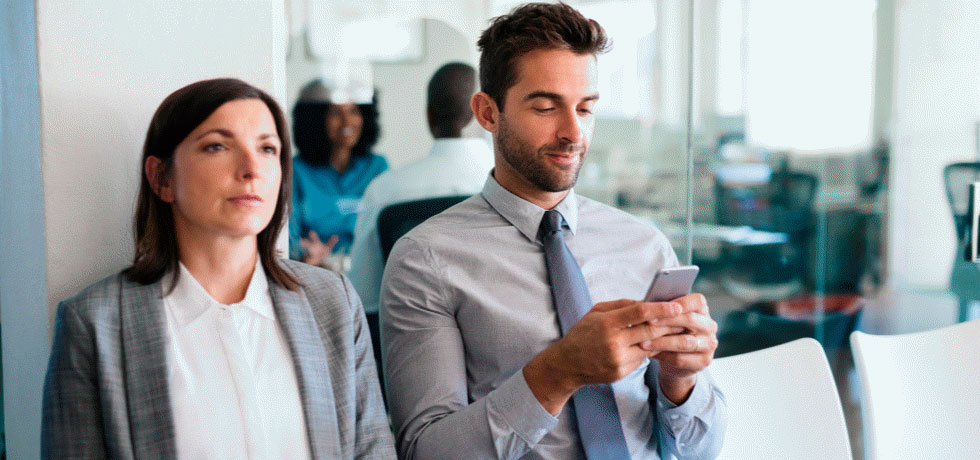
106, 393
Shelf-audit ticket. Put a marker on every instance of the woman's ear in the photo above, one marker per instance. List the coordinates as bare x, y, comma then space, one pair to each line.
154, 168
485, 111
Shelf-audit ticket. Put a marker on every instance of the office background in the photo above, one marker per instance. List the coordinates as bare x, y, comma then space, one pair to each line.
795, 150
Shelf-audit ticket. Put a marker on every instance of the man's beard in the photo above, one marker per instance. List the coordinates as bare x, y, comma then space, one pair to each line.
532, 165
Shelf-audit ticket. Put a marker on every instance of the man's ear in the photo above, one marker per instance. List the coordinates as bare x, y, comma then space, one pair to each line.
153, 168
485, 111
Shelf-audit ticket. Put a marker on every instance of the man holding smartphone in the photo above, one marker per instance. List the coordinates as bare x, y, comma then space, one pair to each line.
507, 327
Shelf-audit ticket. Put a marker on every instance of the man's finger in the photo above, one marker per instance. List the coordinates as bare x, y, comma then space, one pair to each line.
696, 323
642, 312
644, 333
686, 343
693, 303
613, 305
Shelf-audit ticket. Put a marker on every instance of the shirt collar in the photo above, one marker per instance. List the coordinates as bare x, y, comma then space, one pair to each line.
523, 214
191, 300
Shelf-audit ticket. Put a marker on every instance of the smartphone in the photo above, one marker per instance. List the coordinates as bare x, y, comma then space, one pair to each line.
671, 283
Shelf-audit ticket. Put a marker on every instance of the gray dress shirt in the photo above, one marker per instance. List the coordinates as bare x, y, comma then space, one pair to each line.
467, 303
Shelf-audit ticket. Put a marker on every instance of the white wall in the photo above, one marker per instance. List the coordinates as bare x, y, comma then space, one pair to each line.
404, 131
936, 107
401, 88
102, 69
102, 74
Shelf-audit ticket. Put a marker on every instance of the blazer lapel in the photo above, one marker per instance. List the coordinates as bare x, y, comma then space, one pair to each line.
144, 343
312, 370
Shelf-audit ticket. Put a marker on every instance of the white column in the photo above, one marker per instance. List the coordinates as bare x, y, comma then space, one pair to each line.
935, 109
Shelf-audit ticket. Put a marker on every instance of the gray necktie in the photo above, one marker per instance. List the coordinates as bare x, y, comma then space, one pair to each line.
599, 425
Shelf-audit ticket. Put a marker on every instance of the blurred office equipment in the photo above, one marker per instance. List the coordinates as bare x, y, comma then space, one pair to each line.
782, 404
769, 323
781, 202
919, 393
964, 279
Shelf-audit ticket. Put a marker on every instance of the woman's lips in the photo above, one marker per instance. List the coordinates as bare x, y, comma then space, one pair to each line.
247, 200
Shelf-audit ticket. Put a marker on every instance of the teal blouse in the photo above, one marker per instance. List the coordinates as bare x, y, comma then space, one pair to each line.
327, 201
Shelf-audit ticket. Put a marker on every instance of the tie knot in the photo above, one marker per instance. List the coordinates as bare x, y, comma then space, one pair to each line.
551, 222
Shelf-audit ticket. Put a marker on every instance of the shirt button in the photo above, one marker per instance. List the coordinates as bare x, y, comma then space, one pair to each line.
660, 403
674, 417
680, 444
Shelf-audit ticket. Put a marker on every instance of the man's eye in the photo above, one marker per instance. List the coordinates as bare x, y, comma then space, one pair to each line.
544, 109
585, 111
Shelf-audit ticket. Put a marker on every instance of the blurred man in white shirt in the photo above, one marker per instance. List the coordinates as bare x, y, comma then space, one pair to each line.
454, 166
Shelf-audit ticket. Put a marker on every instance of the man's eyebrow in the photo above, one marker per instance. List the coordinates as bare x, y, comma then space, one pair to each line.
543, 94
556, 96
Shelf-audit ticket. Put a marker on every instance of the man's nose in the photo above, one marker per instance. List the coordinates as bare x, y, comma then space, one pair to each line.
570, 130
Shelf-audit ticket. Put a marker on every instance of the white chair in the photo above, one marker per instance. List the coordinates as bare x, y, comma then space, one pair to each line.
920, 393
782, 404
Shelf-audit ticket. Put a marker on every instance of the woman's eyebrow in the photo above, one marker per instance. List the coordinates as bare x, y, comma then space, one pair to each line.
223, 132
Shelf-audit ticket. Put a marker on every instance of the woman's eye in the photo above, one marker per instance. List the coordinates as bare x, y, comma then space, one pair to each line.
213, 147
270, 149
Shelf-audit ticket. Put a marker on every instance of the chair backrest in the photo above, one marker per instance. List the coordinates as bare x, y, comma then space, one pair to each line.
783, 204
782, 404
396, 220
957, 177
919, 393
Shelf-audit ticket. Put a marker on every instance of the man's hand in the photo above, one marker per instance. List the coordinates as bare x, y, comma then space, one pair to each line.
316, 250
607, 344
685, 354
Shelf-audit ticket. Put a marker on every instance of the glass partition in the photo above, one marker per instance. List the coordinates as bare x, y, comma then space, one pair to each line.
796, 152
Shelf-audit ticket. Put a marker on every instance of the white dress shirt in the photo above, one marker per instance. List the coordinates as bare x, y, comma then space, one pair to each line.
232, 382
454, 166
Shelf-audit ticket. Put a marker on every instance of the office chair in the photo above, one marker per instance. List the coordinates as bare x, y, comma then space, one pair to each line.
394, 221
782, 404
397, 219
784, 204
964, 279
919, 393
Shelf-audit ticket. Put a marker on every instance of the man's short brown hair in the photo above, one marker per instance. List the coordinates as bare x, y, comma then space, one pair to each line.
527, 28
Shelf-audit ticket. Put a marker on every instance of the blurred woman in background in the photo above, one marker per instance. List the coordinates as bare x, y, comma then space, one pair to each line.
334, 167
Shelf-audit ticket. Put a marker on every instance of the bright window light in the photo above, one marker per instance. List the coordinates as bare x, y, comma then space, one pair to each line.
809, 74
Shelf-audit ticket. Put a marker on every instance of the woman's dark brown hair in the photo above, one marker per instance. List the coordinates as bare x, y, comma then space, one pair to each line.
153, 224
527, 28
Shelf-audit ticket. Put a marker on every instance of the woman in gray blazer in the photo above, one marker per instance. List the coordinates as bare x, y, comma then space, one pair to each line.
209, 345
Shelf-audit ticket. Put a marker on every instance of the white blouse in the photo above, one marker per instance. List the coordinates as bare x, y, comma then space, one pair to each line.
233, 387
